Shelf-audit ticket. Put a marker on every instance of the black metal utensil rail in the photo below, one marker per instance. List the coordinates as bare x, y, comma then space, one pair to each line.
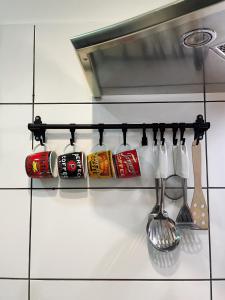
199, 126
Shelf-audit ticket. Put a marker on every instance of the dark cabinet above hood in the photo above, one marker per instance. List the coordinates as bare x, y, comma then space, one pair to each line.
164, 51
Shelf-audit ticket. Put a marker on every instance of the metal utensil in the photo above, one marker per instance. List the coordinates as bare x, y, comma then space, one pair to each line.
162, 232
173, 188
156, 207
198, 206
158, 169
184, 218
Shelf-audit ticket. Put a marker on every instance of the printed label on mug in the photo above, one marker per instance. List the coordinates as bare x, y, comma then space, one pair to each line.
70, 165
127, 164
39, 165
100, 164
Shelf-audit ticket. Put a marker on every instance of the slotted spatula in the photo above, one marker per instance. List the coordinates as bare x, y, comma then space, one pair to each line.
198, 206
184, 218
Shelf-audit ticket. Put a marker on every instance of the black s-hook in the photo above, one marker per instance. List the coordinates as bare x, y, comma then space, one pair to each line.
101, 130
144, 140
182, 130
124, 130
72, 139
39, 134
155, 131
162, 127
175, 129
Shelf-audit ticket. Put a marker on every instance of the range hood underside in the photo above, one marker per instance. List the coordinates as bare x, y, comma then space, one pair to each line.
154, 59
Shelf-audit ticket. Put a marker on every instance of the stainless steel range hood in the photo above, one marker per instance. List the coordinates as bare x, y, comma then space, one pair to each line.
147, 54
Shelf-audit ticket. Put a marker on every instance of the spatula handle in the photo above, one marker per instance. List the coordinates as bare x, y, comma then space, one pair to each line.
196, 158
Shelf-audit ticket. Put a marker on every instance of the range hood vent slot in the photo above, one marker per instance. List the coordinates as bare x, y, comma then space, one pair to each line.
220, 49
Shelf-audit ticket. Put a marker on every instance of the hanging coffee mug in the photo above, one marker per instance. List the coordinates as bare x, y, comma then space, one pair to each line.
100, 164
40, 164
71, 165
126, 162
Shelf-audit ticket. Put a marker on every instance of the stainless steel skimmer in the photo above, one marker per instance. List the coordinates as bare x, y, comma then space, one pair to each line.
162, 231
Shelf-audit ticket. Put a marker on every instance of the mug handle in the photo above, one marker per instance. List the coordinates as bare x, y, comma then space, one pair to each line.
45, 147
99, 147
122, 147
67, 146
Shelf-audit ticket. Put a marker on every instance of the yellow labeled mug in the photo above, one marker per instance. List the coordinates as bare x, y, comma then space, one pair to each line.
100, 164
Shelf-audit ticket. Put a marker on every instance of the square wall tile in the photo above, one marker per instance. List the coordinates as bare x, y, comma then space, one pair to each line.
214, 74
102, 234
216, 144
216, 198
59, 76
86, 140
13, 289
15, 145
14, 232
218, 290
16, 60
57, 290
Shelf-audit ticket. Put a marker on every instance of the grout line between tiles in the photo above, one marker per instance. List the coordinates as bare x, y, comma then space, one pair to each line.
121, 279
16, 103
99, 188
207, 184
109, 102
117, 103
110, 279
31, 184
13, 278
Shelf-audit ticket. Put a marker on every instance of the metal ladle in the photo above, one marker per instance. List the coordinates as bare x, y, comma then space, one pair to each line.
162, 231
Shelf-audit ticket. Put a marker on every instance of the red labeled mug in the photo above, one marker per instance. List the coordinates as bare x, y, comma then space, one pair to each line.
127, 164
40, 164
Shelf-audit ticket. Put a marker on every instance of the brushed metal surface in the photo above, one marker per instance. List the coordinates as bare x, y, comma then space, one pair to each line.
145, 55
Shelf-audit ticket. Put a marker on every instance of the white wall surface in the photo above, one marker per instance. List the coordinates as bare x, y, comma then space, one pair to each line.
31, 11
86, 239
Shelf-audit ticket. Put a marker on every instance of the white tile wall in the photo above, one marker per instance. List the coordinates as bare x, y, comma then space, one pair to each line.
13, 289
216, 146
218, 290
15, 144
215, 86
97, 229
45, 290
101, 234
16, 55
14, 232
31, 11
217, 232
